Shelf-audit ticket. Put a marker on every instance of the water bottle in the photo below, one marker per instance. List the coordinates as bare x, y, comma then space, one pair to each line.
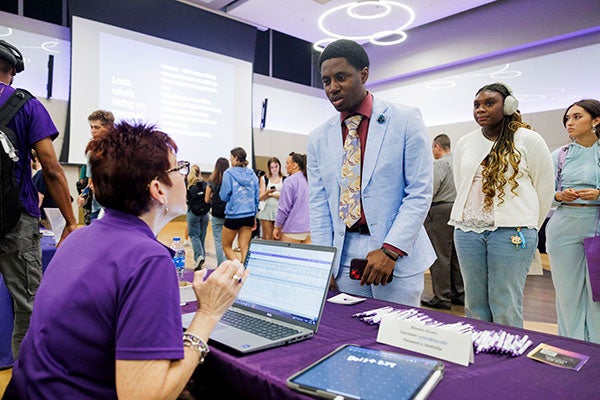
179, 258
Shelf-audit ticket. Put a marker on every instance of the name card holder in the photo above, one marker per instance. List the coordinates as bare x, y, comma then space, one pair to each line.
437, 342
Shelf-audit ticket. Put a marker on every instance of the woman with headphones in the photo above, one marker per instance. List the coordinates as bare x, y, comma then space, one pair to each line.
504, 180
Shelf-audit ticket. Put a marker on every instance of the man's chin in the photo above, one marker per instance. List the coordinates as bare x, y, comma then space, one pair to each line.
339, 107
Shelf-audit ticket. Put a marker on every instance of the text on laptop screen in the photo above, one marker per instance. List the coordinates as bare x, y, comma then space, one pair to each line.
286, 280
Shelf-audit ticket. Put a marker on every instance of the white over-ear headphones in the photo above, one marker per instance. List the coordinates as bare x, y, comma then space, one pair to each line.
511, 104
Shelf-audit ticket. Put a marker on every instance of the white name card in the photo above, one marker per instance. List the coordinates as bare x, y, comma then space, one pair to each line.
432, 341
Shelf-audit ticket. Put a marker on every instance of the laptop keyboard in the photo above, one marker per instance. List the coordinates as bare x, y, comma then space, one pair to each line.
257, 326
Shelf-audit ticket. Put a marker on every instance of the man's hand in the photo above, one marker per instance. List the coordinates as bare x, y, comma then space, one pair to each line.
68, 229
379, 268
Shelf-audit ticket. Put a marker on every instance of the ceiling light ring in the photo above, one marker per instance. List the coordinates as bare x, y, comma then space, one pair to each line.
351, 7
374, 38
9, 32
319, 44
389, 3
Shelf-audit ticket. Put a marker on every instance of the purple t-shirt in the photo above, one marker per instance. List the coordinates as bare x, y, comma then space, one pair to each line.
292, 211
31, 124
110, 292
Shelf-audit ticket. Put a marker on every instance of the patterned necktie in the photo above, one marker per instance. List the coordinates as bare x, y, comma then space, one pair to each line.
350, 186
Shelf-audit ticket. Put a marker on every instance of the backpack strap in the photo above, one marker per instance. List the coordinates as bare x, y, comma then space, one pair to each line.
7, 112
562, 155
12, 106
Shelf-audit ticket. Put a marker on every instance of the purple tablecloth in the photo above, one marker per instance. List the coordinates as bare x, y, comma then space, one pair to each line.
263, 375
6, 311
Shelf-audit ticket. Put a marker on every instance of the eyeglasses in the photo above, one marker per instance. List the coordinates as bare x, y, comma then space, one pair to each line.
183, 167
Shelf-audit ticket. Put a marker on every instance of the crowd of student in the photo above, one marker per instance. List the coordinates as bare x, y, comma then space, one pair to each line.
368, 193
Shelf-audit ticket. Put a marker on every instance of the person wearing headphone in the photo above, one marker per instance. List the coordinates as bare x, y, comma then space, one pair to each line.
20, 250
505, 182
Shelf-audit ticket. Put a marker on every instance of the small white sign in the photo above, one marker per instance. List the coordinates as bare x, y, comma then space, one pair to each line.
346, 299
433, 341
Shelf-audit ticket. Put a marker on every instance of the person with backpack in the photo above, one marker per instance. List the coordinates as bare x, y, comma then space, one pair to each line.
31, 127
197, 214
217, 209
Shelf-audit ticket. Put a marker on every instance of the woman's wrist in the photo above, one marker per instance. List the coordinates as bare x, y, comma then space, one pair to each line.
556, 197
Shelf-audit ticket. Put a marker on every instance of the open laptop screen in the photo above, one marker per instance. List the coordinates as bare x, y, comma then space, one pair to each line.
287, 280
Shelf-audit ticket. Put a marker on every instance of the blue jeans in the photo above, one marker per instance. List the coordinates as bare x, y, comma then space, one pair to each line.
197, 227
217, 230
494, 271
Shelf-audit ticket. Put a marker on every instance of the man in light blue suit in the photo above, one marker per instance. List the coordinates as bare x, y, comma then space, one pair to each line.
395, 187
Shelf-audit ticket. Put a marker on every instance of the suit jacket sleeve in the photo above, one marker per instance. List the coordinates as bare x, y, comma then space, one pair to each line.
417, 167
321, 225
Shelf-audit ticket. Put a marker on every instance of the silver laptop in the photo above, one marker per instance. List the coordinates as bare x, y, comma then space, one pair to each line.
282, 300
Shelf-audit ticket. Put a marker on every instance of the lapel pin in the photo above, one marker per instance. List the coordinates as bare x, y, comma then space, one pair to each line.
381, 119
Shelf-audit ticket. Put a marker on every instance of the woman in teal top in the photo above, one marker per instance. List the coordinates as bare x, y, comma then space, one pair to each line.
578, 199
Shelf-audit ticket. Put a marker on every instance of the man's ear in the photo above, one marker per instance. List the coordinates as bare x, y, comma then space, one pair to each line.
364, 75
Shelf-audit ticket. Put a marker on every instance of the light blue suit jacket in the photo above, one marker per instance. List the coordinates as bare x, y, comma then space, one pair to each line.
396, 182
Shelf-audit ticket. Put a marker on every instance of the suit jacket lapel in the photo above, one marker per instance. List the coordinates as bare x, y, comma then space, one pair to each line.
377, 126
335, 145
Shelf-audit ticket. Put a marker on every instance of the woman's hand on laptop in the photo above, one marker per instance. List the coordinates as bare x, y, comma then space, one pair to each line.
215, 295
217, 292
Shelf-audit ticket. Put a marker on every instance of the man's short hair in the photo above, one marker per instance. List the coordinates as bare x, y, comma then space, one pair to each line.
105, 117
443, 141
5, 66
353, 52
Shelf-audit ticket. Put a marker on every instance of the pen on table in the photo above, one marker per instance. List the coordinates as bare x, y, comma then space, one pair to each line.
523, 348
370, 312
518, 344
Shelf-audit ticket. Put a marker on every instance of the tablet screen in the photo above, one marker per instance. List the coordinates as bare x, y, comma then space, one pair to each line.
355, 372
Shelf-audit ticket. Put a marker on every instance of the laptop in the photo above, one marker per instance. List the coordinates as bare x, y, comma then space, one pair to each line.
282, 300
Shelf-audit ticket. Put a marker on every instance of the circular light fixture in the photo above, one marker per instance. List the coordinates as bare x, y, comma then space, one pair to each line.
376, 38
319, 45
351, 7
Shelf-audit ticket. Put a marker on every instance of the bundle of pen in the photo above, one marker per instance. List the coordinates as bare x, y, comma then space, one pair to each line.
499, 342
373, 317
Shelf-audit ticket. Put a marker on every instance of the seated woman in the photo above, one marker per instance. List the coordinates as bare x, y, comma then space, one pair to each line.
107, 320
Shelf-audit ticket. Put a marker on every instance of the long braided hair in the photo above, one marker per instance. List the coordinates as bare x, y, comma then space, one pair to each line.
502, 154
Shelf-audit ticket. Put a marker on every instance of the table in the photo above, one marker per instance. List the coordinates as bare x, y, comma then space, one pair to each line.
6, 310
262, 375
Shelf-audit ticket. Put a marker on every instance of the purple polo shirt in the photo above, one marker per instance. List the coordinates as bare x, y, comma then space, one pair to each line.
292, 210
31, 124
110, 292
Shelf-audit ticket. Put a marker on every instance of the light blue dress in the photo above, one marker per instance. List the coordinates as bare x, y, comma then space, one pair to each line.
578, 316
